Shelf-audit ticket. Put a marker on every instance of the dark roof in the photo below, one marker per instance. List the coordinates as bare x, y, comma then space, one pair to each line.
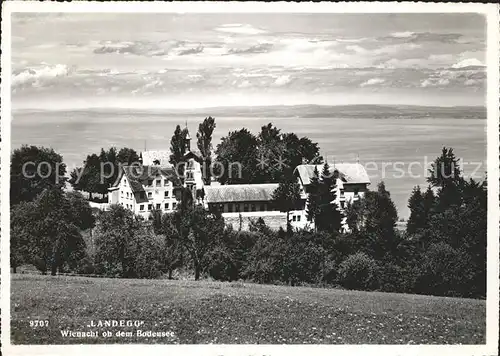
349, 172
239, 192
137, 175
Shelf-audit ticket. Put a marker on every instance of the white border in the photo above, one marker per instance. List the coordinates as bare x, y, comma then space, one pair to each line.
491, 12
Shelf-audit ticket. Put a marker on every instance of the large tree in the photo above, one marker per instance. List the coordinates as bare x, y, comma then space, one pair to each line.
313, 199
99, 172
300, 150
34, 169
329, 217
47, 231
286, 197
127, 156
115, 236
270, 152
196, 229
417, 219
178, 149
237, 158
204, 136
445, 174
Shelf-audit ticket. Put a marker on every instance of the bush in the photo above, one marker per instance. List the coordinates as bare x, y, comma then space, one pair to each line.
393, 278
265, 260
304, 262
358, 271
221, 265
445, 271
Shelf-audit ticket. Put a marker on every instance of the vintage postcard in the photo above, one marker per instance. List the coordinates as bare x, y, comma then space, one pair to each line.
249, 178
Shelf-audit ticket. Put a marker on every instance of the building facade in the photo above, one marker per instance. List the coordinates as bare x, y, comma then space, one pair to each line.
351, 184
242, 203
142, 189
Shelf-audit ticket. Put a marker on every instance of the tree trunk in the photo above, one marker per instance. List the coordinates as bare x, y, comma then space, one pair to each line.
196, 272
170, 273
14, 268
53, 268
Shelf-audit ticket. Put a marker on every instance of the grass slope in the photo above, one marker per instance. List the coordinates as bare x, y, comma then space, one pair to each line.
213, 312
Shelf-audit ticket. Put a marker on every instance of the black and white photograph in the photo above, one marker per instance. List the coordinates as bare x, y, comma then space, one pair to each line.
226, 174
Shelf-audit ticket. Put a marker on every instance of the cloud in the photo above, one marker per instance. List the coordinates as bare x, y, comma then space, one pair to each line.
258, 48
35, 76
402, 34
372, 81
469, 62
139, 48
189, 51
282, 80
241, 29
424, 37
434, 82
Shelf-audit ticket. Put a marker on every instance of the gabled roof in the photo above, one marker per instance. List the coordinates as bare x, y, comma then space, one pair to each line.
350, 173
239, 192
138, 175
149, 158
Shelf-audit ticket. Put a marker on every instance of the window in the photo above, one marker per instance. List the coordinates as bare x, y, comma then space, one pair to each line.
294, 218
122, 193
253, 207
174, 205
150, 195
342, 204
158, 182
237, 207
158, 206
127, 194
141, 207
150, 207
245, 207
298, 217
124, 182
258, 207
165, 182
230, 208
166, 194
150, 182
166, 205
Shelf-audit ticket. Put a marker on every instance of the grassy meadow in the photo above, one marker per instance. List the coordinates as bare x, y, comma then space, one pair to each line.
217, 312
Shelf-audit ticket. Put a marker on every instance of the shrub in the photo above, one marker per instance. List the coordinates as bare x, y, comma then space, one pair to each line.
304, 262
393, 278
265, 260
221, 265
358, 271
445, 271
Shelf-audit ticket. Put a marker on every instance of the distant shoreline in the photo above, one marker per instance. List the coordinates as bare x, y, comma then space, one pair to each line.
291, 111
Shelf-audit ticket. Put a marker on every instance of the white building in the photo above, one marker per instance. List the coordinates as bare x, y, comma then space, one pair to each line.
153, 185
351, 185
241, 203
142, 189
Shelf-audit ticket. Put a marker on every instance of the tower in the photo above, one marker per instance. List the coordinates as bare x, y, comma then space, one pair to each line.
187, 140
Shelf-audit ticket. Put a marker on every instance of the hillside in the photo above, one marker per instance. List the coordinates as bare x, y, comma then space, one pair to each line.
215, 312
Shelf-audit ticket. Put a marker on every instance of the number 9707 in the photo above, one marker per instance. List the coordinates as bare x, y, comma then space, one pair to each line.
39, 323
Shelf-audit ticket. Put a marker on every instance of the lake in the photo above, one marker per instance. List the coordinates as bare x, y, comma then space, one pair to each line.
393, 150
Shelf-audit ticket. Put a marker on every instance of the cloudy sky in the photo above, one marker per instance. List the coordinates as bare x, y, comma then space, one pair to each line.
77, 61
